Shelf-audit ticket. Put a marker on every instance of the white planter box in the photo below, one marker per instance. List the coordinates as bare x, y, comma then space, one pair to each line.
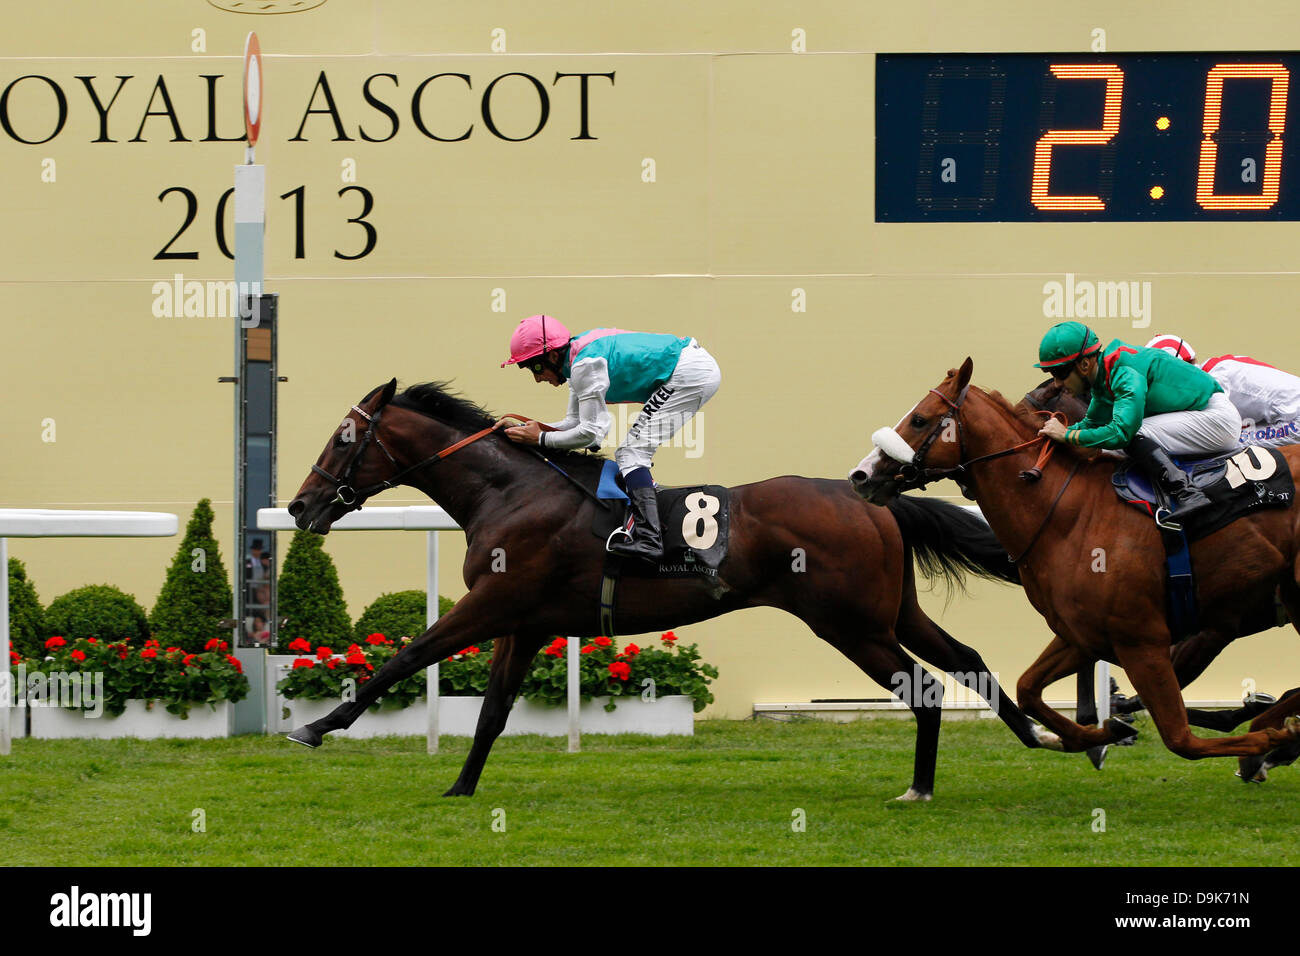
50, 723
384, 722
458, 716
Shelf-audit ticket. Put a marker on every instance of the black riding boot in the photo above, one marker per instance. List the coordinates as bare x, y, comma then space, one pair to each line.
1156, 464
646, 542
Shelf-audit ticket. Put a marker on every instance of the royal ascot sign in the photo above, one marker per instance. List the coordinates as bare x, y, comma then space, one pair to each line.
148, 113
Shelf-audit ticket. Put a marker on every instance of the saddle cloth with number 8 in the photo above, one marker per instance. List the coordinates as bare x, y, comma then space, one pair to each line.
695, 522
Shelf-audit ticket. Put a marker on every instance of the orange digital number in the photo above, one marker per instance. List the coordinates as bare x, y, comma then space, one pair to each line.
1272, 151
1038, 193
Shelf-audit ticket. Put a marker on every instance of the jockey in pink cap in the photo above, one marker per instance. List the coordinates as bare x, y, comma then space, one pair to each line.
1267, 397
671, 377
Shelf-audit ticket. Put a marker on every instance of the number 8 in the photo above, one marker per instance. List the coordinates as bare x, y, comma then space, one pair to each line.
700, 509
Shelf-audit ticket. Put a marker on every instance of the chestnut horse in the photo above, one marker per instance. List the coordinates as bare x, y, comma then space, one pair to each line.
853, 584
1190, 656
1061, 527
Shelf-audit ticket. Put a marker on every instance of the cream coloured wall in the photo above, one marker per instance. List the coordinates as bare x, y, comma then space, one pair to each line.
763, 185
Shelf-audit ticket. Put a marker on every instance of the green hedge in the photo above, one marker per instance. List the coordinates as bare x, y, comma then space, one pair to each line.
96, 610
311, 596
26, 617
396, 615
196, 595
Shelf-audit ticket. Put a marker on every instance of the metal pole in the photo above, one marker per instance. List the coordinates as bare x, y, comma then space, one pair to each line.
431, 617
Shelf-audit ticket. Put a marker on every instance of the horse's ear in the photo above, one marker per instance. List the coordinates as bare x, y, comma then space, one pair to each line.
387, 396
964, 373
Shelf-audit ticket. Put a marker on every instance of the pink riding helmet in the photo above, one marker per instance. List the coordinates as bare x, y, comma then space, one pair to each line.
536, 335
1175, 345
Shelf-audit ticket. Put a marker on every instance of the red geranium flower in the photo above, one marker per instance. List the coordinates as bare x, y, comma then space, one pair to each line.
92, 640
556, 647
323, 652
669, 637
151, 643
234, 662
471, 650
621, 670
187, 660
14, 658
78, 655
603, 641
211, 645
589, 649
631, 650
303, 662
298, 644
54, 642
172, 650
356, 657
148, 652
223, 647
331, 663
377, 638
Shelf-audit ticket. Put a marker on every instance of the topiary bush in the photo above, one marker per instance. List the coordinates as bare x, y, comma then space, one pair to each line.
26, 617
196, 595
96, 610
311, 596
396, 615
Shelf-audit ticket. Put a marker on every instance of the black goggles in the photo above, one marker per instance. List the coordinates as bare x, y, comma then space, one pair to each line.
1061, 372
534, 365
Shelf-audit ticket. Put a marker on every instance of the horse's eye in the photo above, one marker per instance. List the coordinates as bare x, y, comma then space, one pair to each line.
918, 421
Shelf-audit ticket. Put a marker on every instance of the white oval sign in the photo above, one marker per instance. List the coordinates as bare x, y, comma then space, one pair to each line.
252, 88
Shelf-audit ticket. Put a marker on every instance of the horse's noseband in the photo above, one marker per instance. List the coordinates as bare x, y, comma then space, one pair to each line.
913, 475
344, 493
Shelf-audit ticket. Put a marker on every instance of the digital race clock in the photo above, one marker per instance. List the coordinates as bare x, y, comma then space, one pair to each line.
1065, 137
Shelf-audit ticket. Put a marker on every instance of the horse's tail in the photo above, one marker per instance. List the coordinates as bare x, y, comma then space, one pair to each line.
948, 541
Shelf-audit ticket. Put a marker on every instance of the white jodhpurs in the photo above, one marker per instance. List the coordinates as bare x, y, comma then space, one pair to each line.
673, 404
1214, 429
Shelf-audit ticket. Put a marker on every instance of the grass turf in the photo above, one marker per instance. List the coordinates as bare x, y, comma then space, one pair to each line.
728, 796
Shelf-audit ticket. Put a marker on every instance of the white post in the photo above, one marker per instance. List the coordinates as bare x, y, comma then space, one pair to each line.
575, 695
430, 617
7, 696
1102, 691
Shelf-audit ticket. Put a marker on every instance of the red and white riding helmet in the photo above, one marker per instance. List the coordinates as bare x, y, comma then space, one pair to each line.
1175, 345
536, 335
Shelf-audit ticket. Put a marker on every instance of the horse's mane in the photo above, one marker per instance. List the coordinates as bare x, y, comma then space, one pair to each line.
436, 400
1028, 417
1019, 411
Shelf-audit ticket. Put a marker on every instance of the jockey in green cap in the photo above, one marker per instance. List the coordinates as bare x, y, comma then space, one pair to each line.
1144, 401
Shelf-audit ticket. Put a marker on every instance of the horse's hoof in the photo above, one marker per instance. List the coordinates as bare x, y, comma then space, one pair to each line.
1251, 769
307, 737
1119, 729
1098, 756
914, 796
1048, 740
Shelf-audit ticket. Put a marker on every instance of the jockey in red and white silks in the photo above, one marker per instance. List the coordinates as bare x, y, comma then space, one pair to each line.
1267, 397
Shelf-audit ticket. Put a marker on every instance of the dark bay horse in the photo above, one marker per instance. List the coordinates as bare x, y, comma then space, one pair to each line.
1056, 529
855, 585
